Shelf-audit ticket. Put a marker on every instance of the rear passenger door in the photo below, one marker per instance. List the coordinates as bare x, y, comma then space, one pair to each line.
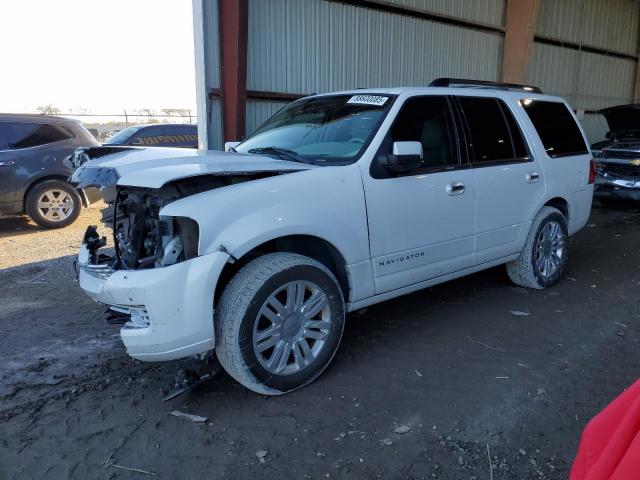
509, 180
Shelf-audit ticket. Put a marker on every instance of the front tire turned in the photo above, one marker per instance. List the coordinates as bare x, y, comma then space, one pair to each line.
544, 256
279, 323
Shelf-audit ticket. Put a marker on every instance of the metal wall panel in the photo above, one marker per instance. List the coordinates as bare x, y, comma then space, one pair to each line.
610, 24
587, 81
259, 111
215, 125
207, 64
491, 12
211, 12
306, 46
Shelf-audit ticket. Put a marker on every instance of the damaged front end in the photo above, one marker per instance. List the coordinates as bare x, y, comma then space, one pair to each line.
142, 237
142, 241
152, 273
618, 171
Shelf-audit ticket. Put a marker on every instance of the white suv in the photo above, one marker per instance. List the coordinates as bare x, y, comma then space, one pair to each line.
337, 202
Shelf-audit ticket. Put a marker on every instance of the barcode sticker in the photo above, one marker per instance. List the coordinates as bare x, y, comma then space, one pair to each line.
377, 100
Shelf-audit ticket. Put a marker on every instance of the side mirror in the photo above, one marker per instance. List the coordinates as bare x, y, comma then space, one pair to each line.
406, 157
230, 146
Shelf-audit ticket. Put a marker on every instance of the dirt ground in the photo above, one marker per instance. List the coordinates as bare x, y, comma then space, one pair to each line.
445, 383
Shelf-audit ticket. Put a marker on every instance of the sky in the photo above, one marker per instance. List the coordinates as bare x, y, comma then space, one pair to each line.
105, 56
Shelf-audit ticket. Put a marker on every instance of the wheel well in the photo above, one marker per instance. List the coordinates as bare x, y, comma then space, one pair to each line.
561, 204
38, 182
309, 246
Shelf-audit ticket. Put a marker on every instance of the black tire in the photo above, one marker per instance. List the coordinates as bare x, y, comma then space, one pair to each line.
65, 217
522, 271
237, 314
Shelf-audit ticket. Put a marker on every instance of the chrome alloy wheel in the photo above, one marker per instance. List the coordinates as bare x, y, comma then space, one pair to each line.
55, 205
291, 327
549, 249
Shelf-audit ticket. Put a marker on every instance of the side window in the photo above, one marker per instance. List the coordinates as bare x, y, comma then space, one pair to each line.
4, 133
148, 136
26, 135
426, 120
556, 127
180, 136
495, 136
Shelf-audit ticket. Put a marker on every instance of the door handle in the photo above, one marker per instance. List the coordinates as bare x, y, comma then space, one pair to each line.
7, 164
532, 177
456, 188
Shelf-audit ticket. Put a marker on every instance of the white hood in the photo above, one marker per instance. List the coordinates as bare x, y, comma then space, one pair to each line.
155, 167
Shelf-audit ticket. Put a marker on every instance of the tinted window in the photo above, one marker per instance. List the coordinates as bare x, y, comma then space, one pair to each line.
4, 132
426, 120
519, 148
25, 135
491, 138
556, 127
121, 137
180, 136
147, 136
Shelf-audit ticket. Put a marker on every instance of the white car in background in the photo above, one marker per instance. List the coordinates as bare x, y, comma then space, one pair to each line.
337, 202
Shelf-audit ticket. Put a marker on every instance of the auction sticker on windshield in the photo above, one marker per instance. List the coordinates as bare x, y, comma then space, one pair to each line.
378, 100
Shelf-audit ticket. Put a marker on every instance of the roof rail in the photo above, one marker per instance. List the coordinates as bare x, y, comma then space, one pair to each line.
461, 82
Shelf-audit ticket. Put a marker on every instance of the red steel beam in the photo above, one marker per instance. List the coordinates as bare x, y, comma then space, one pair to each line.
233, 27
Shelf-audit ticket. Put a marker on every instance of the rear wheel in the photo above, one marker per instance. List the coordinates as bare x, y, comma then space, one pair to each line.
53, 204
544, 255
279, 323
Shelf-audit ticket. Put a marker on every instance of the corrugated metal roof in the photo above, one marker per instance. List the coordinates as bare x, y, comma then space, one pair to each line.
307, 46
610, 24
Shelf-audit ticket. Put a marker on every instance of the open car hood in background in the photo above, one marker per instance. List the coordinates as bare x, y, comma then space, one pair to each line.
623, 117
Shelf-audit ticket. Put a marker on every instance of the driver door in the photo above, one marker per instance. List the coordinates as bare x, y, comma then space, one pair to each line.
421, 222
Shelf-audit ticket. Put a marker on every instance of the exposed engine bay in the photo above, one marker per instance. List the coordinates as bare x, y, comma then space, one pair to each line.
142, 238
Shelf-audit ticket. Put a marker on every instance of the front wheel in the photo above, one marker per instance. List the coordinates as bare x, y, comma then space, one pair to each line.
279, 322
545, 252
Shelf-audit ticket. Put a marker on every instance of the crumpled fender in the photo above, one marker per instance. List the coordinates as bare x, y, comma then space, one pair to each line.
325, 202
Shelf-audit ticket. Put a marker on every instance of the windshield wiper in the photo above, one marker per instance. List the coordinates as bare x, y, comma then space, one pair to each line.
282, 153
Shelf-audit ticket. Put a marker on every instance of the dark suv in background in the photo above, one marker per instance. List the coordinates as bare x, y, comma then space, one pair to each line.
157, 135
33, 177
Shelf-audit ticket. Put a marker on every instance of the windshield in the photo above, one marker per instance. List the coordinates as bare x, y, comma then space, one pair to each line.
333, 129
122, 136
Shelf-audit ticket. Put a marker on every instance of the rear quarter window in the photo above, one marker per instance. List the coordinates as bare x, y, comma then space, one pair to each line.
27, 135
556, 128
